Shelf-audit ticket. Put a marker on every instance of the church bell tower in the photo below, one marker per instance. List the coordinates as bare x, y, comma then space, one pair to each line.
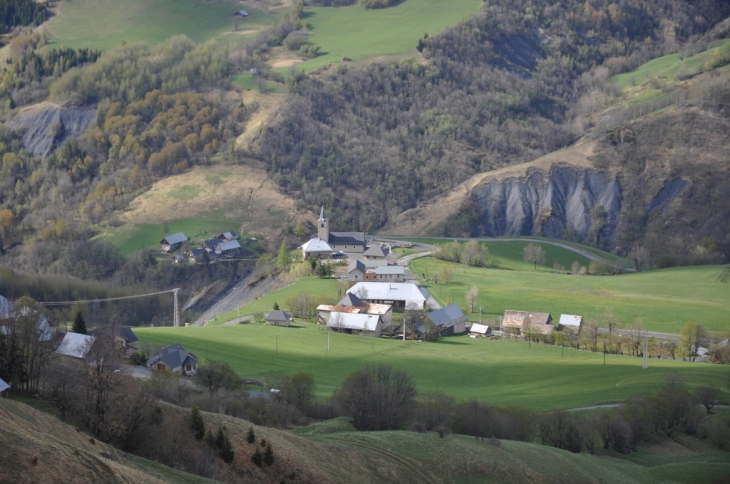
323, 227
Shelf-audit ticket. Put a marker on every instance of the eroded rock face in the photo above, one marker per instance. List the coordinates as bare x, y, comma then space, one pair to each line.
42, 131
546, 204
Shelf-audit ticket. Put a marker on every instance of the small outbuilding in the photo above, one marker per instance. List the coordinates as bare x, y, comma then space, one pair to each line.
75, 345
518, 322
241, 13
571, 322
228, 236
479, 330
278, 317
173, 242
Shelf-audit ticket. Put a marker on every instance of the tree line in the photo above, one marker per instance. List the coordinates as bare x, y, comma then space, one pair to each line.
21, 12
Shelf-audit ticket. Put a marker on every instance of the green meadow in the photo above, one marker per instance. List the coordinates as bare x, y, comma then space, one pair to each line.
501, 372
664, 299
103, 24
359, 34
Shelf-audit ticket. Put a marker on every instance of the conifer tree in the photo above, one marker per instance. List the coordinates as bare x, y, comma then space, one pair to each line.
196, 423
257, 458
226, 451
268, 455
250, 436
79, 324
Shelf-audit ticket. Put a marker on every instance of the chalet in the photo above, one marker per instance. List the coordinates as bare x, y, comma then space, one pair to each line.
376, 252
361, 324
229, 248
173, 242
479, 331
174, 359
351, 242
178, 259
448, 320
518, 322
400, 295
75, 345
3, 386
210, 244
390, 273
571, 322
196, 255
228, 236
241, 13
356, 271
278, 317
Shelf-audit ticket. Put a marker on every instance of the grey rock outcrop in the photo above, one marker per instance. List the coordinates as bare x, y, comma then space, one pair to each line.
41, 129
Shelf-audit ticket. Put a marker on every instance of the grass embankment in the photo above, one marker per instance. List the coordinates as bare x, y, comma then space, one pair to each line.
499, 372
360, 34
103, 24
665, 299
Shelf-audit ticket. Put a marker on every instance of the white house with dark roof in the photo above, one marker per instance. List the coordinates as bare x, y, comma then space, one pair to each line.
398, 294
175, 359
173, 242
376, 252
277, 317
353, 323
356, 271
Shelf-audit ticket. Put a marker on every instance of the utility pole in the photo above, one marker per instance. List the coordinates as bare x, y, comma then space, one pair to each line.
480, 315
277, 344
646, 352
176, 318
328, 341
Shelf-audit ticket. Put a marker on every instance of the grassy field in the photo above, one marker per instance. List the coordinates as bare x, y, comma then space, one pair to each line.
499, 372
665, 299
359, 34
326, 288
103, 24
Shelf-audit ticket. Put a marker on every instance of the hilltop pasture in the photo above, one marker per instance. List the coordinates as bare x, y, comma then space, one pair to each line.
103, 24
499, 372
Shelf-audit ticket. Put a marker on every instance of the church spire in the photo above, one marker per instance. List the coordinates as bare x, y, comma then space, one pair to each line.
321, 215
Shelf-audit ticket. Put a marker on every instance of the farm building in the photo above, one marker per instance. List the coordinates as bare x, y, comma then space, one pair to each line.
351, 242
210, 244
570, 322
196, 255
517, 322
361, 324
479, 330
390, 273
448, 320
175, 359
278, 317
376, 252
400, 295
173, 242
229, 248
228, 236
75, 345
178, 259
385, 311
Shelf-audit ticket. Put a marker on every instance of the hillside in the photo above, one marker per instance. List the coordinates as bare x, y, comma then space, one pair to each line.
332, 452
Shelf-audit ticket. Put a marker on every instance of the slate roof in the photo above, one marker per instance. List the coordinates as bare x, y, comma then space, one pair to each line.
347, 238
374, 263
3, 386
376, 251
391, 291
350, 300
174, 356
570, 320
360, 322
128, 335
173, 239
390, 270
195, 253
210, 244
358, 264
447, 316
75, 345
479, 328
228, 236
277, 315
228, 246
316, 245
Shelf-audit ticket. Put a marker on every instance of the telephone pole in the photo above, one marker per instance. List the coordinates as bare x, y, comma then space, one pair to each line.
176, 317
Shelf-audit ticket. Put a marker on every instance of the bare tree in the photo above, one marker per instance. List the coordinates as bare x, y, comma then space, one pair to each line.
640, 256
446, 274
612, 324
593, 333
472, 294
708, 397
534, 254
215, 375
575, 267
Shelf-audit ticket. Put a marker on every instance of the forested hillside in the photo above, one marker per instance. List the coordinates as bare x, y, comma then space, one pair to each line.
498, 89
21, 12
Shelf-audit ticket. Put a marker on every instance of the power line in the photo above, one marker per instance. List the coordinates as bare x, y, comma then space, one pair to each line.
89, 301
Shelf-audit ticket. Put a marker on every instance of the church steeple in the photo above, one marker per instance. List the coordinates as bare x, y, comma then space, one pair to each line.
323, 226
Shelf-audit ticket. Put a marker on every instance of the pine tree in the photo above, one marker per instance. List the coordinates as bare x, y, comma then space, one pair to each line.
220, 439
79, 324
257, 458
250, 436
268, 455
196, 423
276, 306
226, 451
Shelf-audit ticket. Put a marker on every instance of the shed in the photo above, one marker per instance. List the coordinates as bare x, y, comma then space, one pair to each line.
278, 317
173, 242
571, 322
228, 248
448, 320
228, 236
479, 330
178, 259
514, 321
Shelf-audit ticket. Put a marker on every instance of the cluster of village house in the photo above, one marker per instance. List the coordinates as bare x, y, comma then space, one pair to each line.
224, 246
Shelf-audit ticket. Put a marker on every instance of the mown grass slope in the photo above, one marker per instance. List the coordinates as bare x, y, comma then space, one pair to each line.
103, 24
664, 299
359, 34
499, 372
